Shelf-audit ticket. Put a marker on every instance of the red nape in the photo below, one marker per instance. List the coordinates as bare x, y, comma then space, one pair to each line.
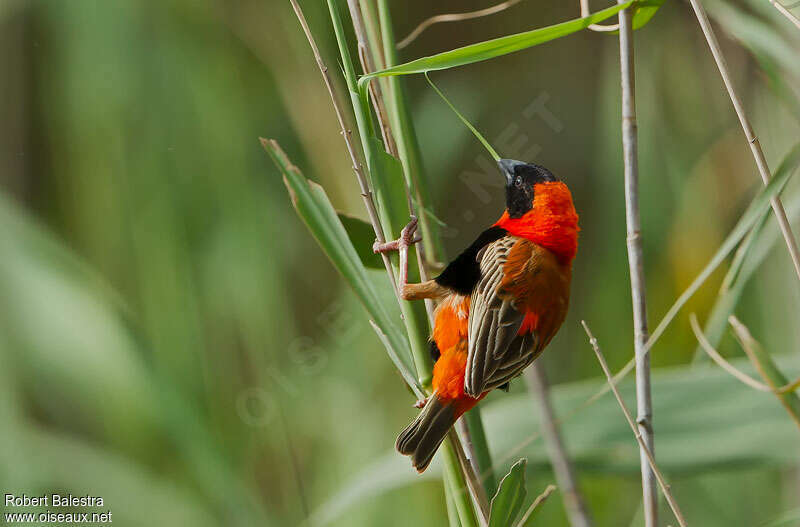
551, 223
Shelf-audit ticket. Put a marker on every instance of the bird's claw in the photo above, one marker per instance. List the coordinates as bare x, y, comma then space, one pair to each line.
420, 403
407, 238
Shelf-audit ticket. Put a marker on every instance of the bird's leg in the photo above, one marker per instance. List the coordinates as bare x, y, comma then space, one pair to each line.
429, 289
407, 238
421, 403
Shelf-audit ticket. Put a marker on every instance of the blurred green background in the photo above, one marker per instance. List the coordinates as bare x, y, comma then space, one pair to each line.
173, 340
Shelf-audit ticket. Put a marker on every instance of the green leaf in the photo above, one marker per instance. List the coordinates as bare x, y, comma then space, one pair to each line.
734, 427
510, 496
644, 11
749, 257
362, 236
494, 48
315, 209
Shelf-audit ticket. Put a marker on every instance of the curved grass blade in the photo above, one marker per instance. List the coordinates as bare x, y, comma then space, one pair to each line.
494, 48
464, 120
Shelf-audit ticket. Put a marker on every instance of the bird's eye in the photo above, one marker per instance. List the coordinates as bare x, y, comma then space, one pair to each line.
518, 182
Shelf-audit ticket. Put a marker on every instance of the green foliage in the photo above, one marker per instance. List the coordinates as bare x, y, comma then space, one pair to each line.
748, 259
734, 427
313, 206
153, 270
645, 11
510, 496
748, 220
493, 48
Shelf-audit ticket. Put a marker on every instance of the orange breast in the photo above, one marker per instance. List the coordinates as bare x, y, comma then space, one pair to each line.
451, 325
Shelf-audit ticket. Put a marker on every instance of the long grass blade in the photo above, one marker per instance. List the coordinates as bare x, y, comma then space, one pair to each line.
464, 120
494, 48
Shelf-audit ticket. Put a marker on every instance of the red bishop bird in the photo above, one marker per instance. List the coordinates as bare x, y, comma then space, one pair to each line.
500, 302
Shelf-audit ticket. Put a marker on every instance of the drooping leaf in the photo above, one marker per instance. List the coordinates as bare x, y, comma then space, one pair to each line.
510, 496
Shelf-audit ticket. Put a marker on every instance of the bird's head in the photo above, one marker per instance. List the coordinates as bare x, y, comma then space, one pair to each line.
539, 207
522, 180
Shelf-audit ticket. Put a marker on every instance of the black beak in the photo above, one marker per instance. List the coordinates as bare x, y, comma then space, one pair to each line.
508, 168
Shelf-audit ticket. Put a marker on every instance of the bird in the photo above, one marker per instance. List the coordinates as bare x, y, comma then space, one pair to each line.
500, 301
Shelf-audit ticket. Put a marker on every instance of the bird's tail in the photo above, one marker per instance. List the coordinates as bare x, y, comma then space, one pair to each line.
422, 438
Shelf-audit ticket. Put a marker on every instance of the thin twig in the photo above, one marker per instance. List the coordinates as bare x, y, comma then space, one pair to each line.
564, 471
644, 406
366, 193
596, 27
454, 17
465, 437
755, 146
785, 12
730, 368
541, 498
665, 488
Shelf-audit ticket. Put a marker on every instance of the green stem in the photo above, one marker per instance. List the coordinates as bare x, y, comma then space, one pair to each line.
480, 448
452, 513
457, 486
407, 142
392, 217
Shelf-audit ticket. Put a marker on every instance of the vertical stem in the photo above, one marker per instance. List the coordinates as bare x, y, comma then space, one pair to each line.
452, 513
407, 143
476, 490
755, 146
456, 485
412, 318
636, 265
411, 159
574, 503
358, 168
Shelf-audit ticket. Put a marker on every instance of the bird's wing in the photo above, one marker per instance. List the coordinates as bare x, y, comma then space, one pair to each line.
496, 352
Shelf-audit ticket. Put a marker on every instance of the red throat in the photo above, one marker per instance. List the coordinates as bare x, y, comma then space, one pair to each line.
551, 223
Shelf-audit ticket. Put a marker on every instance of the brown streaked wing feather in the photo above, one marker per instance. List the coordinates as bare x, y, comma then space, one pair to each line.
493, 319
516, 276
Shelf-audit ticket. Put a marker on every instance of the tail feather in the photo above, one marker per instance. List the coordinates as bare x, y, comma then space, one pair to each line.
422, 438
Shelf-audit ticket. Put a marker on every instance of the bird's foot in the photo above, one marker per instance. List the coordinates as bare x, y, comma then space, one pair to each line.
407, 239
421, 403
